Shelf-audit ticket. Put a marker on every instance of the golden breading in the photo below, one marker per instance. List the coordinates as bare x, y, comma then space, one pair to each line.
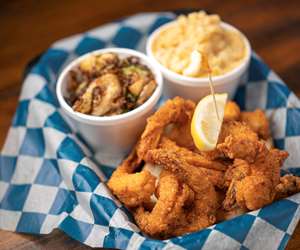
172, 196
132, 188
232, 112
252, 185
176, 110
258, 122
197, 189
237, 140
202, 213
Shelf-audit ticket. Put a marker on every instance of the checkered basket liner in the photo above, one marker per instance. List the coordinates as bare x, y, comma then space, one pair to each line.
50, 178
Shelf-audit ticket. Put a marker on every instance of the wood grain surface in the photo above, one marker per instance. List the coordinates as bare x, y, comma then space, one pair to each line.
28, 27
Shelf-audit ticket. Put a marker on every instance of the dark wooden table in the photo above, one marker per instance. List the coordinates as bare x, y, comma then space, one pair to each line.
29, 27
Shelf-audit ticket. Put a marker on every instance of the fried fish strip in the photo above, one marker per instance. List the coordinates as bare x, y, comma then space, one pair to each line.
132, 188
176, 110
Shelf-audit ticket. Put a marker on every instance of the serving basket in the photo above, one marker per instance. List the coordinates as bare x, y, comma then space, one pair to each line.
50, 178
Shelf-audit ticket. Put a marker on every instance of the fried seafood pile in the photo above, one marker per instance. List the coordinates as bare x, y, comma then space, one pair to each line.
173, 189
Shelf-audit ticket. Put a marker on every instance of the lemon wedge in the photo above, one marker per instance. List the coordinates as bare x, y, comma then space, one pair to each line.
206, 123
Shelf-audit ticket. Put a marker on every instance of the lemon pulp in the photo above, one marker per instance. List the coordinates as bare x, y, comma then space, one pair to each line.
206, 124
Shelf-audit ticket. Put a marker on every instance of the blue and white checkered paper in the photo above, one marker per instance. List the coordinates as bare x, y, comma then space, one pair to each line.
49, 177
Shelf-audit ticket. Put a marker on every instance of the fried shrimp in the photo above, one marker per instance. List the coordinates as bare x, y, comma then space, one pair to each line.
132, 188
172, 196
237, 140
181, 134
176, 110
186, 164
202, 213
191, 157
253, 184
258, 122
232, 111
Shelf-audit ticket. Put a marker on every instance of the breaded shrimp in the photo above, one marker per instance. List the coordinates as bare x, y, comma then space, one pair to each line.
176, 110
202, 213
172, 196
258, 122
191, 157
232, 111
253, 184
237, 140
181, 134
132, 188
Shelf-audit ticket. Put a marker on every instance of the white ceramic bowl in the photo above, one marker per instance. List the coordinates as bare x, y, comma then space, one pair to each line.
113, 136
195, 88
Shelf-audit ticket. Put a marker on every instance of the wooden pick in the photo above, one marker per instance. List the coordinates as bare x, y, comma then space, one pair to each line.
205, 65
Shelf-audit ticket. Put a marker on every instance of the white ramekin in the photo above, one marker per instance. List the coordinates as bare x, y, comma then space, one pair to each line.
195, 88
112, 136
